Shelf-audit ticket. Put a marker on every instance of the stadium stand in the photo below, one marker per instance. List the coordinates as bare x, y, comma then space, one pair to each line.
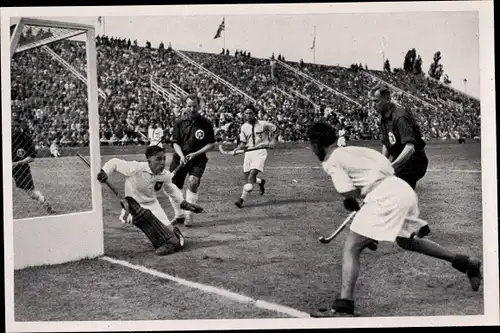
52, 100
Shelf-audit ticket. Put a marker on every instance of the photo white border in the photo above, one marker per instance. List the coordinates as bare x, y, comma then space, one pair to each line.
488, 165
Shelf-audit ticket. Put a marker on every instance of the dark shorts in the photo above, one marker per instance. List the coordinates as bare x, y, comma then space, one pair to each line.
23, 178
195, 168
414, 169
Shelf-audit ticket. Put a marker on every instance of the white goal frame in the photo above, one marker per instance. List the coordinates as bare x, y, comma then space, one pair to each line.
57, 239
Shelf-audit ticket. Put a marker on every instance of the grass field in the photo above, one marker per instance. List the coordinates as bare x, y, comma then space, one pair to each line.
268, 250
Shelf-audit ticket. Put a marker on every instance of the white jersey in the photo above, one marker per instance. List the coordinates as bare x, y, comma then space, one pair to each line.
259, 133
357, 168
140, 183
156, 136
54, 149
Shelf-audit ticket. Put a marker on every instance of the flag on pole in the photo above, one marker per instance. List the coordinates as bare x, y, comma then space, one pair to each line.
221, 28
314, 40
99, 19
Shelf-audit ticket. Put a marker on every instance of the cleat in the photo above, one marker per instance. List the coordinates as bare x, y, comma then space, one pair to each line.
48, 208
328, 313
178, 220
424, 231
239, 203
167, 248
474, 274
261, 186
372, 246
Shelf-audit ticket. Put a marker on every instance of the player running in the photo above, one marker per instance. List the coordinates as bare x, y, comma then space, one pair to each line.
193, 136
254, 133
388, 205
24, 153
143, 181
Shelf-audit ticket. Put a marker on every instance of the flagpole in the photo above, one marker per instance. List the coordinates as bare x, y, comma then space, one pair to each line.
314, 50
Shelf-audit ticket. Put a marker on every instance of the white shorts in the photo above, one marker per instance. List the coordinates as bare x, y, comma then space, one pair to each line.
255, 160
155, 208
386, 207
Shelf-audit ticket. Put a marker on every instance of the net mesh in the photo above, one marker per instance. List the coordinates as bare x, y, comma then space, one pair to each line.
50, 123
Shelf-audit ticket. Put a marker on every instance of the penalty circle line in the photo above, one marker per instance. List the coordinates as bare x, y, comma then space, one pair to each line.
261, 304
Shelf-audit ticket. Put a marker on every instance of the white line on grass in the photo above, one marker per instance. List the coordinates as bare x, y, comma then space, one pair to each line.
214, 290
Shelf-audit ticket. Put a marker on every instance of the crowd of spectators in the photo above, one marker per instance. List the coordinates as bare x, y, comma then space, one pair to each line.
53, 102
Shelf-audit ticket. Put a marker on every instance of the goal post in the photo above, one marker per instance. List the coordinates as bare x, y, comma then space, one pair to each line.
43, 97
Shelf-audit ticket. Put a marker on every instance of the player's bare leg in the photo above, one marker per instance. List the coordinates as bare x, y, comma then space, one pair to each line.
463, 263
192, 197
344, 306
251, 180
38, 196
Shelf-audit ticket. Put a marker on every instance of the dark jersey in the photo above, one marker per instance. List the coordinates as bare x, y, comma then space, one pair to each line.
22, 146
192, 135
399, 128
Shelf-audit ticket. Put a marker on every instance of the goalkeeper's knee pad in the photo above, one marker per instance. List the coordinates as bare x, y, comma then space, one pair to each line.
248, 187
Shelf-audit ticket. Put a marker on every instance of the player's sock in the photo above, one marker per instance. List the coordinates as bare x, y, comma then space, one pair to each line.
261, 183
192, 198
179, 213
244, 194
37, 195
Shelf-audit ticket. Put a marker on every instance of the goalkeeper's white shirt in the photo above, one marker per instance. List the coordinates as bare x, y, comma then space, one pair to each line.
357, 168
140, 183
256, 134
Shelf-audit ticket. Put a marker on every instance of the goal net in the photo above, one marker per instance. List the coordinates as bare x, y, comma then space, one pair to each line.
54, 120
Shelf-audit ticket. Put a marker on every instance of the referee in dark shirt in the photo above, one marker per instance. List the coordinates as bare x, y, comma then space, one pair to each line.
401, 138
402, 141
23, 153
192, 137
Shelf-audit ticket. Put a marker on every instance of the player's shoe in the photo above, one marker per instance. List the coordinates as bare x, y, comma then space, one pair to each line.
261, 186
178, 220
372, 246
173, 245
340, 308
49, 209
474, 274
239, 203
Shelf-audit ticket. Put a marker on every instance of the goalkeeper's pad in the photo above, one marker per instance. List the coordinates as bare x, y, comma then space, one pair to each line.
164, 241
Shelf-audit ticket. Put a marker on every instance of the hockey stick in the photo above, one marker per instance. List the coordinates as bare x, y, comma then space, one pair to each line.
241, 151
326, 240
